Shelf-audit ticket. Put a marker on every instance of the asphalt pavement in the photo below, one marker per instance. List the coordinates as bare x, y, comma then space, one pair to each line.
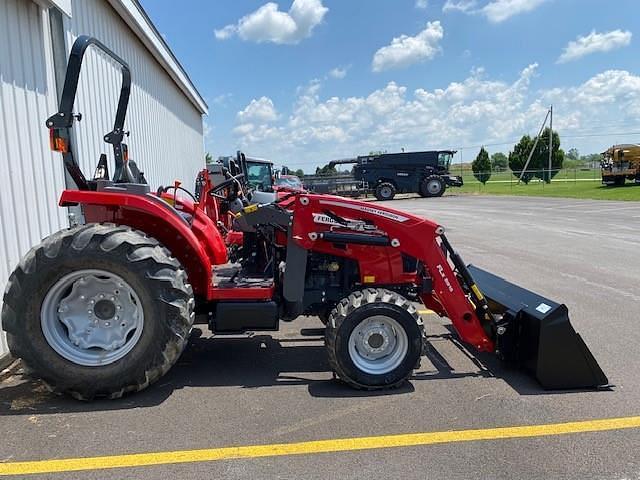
275, 389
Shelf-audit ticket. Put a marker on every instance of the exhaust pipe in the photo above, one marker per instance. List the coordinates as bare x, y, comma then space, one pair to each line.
536, 333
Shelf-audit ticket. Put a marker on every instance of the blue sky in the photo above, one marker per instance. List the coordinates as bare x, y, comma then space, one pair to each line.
306, 81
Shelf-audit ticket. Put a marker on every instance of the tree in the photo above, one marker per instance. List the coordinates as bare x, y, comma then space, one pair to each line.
572, 159
208, 158
299, 173
326, 170
572, 154
542, 154
592, 160
518, 158
499, 162
539, 164
481, 166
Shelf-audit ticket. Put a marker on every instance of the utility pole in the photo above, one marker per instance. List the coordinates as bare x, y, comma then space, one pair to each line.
535, 144
550, 139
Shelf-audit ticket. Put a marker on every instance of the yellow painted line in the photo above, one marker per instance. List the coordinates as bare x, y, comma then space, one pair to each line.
426, 312
319, 446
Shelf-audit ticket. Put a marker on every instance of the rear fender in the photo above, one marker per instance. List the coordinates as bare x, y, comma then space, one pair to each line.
197, 246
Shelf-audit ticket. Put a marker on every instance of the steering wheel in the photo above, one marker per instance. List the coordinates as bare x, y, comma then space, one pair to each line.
226, 184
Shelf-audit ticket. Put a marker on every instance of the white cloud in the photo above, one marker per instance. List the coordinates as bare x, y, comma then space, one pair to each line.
500, 10
473, 111
260, 110
244, 129
496, 11
459, 5
338, 73
225, 32
423, 4
269, 24
595, 42
222, 99
404, 50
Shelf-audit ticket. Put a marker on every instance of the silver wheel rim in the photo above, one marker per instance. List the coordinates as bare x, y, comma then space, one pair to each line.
378, 345
92, 317
433, 186
385, 192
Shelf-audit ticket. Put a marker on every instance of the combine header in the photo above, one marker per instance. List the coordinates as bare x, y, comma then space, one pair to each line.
106, 308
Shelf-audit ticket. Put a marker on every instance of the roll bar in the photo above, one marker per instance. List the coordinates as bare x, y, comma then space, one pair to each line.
61, 123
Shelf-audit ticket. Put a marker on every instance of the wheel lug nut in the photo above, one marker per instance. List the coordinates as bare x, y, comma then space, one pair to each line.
92, 302
81, 297
102, 295
89, 312
107, 324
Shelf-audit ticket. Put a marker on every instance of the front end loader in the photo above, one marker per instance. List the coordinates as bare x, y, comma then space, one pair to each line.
106, 308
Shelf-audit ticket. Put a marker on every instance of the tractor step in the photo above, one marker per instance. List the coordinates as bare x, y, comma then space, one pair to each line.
230, 282
231, 275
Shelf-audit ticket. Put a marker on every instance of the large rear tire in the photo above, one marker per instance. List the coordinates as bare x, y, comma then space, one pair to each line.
98, 311
374, 339
432, 186
385, 191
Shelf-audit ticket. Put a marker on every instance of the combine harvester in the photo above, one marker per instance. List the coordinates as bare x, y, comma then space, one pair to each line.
106, 308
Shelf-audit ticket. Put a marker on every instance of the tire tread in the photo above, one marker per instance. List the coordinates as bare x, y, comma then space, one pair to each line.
143, 252
347, 306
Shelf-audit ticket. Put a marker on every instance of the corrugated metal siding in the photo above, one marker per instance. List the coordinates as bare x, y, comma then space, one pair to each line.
166, 129
32, 176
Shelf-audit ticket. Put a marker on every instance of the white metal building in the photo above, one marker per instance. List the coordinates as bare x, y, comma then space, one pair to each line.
164, 116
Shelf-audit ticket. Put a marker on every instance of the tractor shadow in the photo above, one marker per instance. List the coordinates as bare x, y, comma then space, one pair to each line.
262, 361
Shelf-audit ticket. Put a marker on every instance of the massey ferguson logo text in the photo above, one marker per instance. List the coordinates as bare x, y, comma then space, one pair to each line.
326, 219
367, 209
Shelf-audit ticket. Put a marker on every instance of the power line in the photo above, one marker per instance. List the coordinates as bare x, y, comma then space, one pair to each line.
601, 135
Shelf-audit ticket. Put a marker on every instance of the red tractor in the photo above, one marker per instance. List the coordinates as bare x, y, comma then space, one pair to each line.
106, 308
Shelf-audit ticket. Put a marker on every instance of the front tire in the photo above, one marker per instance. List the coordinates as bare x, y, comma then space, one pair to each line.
374, 339
98, 310
432, 186
385, 191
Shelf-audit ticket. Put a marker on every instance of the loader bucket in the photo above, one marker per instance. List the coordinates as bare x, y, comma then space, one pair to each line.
538, 335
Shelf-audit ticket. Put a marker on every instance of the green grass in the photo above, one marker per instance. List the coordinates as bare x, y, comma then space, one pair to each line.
565, 175
569, 189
